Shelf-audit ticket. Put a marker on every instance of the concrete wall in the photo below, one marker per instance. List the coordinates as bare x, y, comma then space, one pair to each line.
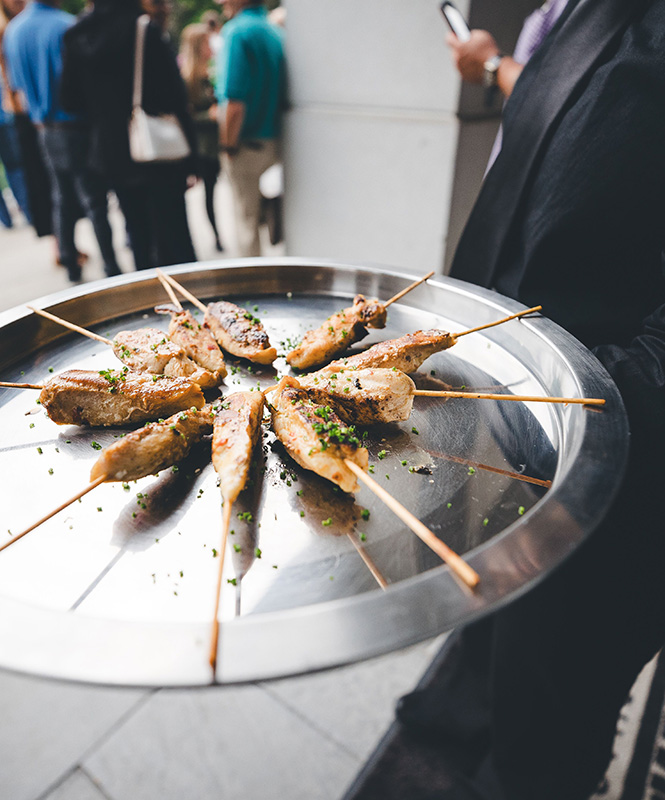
371, 137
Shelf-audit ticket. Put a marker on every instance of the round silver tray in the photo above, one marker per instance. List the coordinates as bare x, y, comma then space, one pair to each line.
119, 587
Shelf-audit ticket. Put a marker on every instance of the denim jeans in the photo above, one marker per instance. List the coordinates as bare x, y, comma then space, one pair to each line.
74, 186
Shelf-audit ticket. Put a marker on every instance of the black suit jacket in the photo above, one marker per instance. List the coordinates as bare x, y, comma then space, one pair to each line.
572, 213
97, 79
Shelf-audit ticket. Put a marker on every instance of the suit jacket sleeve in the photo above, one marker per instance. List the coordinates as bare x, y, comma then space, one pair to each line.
639, 372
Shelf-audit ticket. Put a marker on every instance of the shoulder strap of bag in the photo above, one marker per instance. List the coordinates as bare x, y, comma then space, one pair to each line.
139, 49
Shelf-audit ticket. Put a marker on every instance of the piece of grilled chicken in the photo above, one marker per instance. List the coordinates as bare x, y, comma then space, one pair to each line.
116, 397
314, 436
239, 332
154, 447
236, 430
363, 396
338, 333
195, 339
407, 353
150, 350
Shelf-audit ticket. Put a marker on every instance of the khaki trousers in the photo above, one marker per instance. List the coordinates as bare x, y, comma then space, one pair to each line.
244, 170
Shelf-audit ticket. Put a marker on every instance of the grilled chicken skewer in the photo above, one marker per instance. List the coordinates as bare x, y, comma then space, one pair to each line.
143, 452
314, 436
112, 397
236, 330
154, 447
363, 396
194, 338
236, 431
97, 399
149, 350
338, 333
146, 350
343, 329
407, 353
371, 396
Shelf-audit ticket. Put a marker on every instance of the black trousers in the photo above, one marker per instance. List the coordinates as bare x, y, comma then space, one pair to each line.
75, 186
157, 225
533, 692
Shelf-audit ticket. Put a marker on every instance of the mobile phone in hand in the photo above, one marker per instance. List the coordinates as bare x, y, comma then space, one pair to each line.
456, 21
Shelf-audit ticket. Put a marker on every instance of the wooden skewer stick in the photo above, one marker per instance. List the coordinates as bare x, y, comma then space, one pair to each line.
8, 385
408, 289
463, 571
169, 289
71, 326
499, 321
185, 293
55, 511
371, 566
214, 638
496, 470
585, 401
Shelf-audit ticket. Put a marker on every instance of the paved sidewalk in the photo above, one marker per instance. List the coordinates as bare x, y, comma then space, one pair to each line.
27, 263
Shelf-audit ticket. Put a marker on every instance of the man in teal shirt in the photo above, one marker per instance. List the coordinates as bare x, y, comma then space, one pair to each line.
251, 93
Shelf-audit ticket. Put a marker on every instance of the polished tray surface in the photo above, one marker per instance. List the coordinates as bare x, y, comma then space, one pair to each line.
119, 587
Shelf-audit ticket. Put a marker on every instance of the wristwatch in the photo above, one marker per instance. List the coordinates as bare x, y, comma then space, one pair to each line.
490, 70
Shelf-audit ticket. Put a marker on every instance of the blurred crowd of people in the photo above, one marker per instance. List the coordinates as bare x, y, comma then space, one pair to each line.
69, 88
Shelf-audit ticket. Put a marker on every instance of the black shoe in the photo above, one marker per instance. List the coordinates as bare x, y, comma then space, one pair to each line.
218, 246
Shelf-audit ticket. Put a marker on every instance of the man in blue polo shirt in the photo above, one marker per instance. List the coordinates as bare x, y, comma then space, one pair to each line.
32, 47
251, 93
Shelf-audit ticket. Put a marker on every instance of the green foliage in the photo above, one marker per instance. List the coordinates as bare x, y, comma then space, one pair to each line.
187, 11
184, 12
73, 6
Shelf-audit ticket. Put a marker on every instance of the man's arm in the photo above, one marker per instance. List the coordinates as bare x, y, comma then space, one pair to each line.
231, 117
639, 372
470, 57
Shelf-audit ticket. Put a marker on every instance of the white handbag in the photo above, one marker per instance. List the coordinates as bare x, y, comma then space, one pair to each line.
152, 138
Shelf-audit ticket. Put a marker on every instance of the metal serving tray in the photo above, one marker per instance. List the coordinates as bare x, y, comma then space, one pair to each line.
119, 587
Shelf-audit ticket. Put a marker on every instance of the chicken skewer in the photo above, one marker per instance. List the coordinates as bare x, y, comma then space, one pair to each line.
194, 338
343, 329
236, 430
236, 330
377, 396
407, 353
372, 396
315, 438
146, 350
143, 452
109, 397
